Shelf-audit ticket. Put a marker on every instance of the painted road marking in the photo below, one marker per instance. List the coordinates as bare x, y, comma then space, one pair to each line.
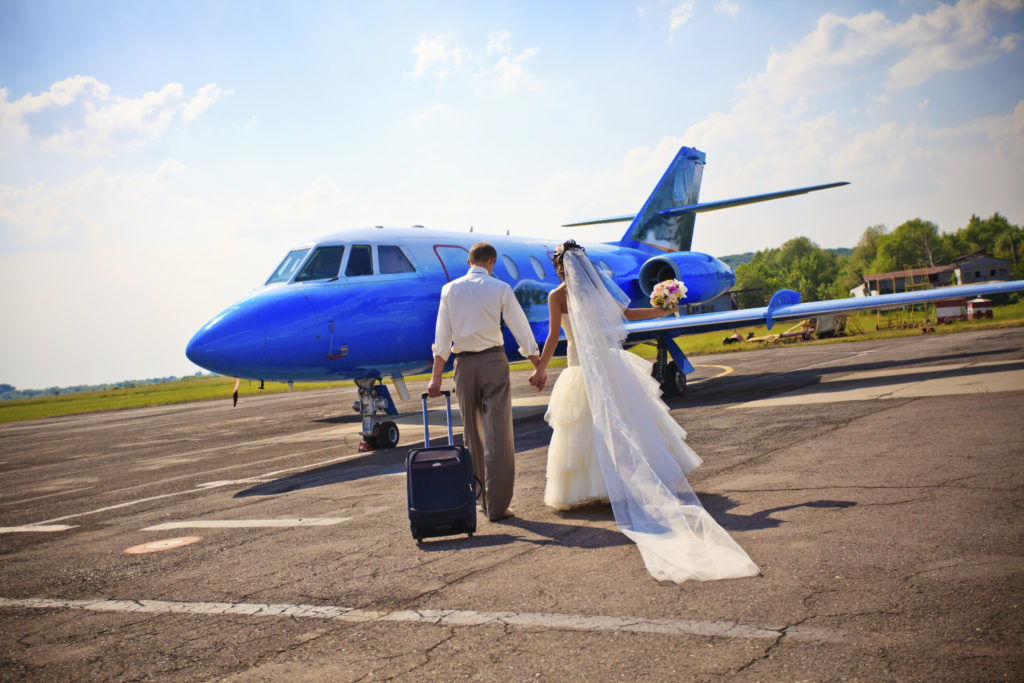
440, 617
959, 379
161, 545
35, 527
248, 523
725, 370
207, 486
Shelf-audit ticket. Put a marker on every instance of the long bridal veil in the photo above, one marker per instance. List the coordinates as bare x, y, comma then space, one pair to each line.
651, 499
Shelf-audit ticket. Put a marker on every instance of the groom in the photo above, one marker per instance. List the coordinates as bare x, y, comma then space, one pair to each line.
469, 323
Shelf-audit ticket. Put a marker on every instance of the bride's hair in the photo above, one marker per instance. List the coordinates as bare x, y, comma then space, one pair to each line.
568, 245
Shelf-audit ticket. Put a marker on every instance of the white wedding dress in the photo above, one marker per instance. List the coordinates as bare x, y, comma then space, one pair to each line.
613, 439
574, 474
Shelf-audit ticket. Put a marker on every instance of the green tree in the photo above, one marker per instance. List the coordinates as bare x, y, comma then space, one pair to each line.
798, 264
915, 243
853, 269
983, 235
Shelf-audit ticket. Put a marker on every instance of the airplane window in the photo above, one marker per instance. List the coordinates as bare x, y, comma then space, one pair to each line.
288, 266
360, 261
510, 266
322, 265
538, 267
392, 260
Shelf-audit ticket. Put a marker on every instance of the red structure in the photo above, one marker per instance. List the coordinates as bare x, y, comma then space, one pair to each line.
979, 308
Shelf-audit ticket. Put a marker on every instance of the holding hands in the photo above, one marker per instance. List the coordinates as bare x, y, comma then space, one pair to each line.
539, 377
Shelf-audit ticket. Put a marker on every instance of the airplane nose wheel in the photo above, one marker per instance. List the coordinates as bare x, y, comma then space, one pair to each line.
373, 398
386, 435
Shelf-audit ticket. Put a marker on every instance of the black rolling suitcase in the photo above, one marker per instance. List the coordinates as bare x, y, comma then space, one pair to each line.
441, 485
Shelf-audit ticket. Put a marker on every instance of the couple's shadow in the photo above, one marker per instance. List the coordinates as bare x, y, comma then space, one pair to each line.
589, 536
719, 506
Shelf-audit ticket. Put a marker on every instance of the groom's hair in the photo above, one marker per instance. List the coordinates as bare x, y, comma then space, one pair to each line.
482, 252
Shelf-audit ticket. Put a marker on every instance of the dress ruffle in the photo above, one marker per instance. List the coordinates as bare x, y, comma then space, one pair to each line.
573, 472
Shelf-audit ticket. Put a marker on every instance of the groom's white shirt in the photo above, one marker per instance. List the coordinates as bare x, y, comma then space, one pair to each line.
470, 313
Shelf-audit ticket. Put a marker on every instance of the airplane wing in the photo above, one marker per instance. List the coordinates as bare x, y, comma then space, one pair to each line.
785, 305
727, 203
712, 206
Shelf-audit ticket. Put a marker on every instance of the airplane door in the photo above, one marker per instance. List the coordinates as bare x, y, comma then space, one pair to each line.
453, 259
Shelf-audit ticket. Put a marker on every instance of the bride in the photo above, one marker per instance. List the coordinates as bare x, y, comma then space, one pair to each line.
613, 439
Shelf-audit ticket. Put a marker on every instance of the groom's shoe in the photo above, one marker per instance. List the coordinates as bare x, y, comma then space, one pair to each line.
504, 515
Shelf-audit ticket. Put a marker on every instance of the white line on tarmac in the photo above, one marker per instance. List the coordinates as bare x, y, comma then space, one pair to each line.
248, 523
35, 527
440, 617
205, 487
908, 382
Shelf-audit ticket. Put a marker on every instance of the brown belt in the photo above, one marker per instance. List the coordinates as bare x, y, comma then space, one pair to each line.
463, 354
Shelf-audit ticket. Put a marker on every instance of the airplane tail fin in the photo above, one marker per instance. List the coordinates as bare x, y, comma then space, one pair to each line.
655, 228
666, 221
680, 185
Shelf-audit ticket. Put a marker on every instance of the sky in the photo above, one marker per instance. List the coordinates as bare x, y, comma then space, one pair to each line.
158, 159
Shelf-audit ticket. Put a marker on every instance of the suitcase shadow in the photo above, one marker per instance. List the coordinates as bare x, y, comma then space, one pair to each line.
583, 536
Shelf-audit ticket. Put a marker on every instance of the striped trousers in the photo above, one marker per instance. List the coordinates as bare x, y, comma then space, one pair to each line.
485, 400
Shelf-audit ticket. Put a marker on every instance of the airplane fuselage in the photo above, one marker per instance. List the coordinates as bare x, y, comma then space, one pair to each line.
363, 303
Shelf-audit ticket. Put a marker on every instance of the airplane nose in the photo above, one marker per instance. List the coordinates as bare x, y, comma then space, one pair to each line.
229, 344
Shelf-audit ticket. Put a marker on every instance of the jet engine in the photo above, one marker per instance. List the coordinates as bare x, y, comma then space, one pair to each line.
705, 277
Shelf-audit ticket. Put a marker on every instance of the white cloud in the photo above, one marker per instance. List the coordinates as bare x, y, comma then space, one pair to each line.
679, 15
99, 208
428, 113
793, 125
729, 7
498, 66
319, 208
79, 115
439, 55
841, 49
202, 100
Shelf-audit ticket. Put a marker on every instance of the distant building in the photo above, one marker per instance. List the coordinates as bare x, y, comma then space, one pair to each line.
981, 268
723, 302
910, 279
964, 270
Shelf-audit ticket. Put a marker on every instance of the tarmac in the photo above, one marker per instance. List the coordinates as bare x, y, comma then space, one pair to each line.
878, 485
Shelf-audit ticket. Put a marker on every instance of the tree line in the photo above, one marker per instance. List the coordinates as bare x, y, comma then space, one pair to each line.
820, 274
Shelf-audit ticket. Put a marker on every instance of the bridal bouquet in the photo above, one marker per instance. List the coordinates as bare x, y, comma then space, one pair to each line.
668, 293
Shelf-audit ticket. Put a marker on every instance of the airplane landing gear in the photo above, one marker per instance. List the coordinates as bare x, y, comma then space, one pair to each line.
373, 398
668, 373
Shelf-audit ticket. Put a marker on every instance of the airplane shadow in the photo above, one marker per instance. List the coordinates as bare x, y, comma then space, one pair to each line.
759, 385
718, 506
530, 434
390, 461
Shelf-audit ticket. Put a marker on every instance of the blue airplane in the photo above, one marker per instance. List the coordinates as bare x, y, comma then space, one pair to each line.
361, 304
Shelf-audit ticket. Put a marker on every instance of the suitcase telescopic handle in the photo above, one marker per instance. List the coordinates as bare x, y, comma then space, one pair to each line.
448, 407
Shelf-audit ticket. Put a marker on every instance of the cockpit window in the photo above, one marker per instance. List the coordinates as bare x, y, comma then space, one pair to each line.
360, 261
322, 265
288, 266
392, 260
